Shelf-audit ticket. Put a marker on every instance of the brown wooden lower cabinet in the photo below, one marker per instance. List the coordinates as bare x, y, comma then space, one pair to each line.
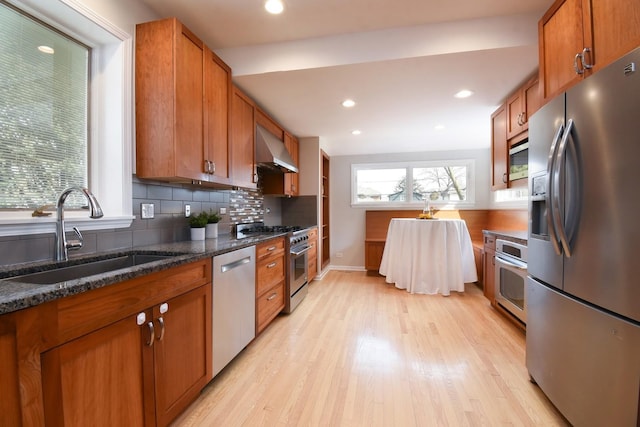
136, 353
489, 278
270, 281
312, 254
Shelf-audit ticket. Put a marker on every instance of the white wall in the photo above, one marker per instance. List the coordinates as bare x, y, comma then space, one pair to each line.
348, 223
124, 14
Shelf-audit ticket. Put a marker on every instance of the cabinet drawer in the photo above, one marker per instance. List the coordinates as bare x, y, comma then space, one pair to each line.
270, 248
489, 242
269, 305
270, 271
313, 233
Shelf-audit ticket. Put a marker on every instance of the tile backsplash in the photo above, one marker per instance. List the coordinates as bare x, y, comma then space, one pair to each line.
168, 224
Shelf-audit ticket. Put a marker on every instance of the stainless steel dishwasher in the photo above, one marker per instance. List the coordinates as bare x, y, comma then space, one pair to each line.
234, 304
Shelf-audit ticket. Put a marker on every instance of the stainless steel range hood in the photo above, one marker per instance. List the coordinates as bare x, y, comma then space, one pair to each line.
271, 152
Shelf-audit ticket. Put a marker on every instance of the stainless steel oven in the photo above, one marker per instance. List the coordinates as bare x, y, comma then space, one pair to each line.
511, 277
298, 269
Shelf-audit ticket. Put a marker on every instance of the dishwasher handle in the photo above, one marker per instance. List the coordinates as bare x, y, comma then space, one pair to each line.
230, 266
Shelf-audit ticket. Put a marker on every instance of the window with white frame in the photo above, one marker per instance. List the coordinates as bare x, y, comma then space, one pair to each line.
441, 183
106, 117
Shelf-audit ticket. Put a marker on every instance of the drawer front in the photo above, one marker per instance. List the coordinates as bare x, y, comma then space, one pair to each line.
269, 305
313, 233
490, 242
270, 248
270, 271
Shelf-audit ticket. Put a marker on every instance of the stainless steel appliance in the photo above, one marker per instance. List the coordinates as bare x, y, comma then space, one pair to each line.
511, 277
519, 161
298, 269
296, 258
583, 294
234, 301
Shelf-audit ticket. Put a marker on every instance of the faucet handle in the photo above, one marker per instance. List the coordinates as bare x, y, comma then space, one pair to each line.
75, 244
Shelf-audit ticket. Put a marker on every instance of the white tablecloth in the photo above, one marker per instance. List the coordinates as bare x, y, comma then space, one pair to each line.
428, 256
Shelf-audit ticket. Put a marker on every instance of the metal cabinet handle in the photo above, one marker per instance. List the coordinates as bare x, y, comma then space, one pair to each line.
271, 248
213, 168
585, 65
272, 296
576, 67
152, 334
161, 323
273, 264
504, 177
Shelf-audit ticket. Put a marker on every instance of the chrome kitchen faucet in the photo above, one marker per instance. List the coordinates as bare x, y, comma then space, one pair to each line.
62, 245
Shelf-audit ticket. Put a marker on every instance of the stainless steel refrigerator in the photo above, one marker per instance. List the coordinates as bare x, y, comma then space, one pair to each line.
583, 288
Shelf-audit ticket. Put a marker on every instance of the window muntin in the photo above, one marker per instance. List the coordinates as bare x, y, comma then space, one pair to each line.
443, 183
43, 113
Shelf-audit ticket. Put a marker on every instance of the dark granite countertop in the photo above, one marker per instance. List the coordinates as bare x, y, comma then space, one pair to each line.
17, 295
518, 236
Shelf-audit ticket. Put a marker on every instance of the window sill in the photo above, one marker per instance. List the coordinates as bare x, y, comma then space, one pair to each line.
30, 226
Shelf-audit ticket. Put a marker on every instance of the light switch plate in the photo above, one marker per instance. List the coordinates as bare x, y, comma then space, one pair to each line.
147, 210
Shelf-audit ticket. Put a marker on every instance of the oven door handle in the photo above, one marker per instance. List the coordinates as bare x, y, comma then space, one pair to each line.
509, 263
301, 251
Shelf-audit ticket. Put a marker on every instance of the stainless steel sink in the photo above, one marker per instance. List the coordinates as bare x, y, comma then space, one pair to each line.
91, 268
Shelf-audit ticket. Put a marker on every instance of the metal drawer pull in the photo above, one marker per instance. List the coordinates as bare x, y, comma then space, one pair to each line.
272, 296
273, 264
152, 334
271, 248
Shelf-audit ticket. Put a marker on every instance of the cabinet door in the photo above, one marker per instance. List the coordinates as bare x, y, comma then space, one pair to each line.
100, 379
217, 93
561, 35
532, 100
242, 140
489, 281
291, 179
182, 351
499, 151
189, 107
616, 29
515, 112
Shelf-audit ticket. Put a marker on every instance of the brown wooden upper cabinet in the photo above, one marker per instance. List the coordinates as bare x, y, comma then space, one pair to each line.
182, 106
521, 105
578, 37
291, 180
499, 150
243, 136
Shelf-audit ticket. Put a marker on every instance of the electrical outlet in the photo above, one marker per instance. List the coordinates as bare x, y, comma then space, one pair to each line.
187, 210
223, 211
147, 210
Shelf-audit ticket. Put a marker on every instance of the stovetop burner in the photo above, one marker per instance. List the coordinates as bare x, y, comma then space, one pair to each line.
245, 230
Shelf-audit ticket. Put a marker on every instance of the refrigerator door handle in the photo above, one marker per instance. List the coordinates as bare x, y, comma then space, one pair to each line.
558, 173
549, 199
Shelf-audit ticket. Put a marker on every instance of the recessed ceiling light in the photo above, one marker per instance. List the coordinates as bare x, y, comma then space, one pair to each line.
463, 94
439, 127
355, 132
46, 49
348, 103
274, 6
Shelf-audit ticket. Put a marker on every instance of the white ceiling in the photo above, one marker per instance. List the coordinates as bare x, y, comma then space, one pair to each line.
400, 60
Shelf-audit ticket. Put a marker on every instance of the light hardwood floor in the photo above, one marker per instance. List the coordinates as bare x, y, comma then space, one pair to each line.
359, 352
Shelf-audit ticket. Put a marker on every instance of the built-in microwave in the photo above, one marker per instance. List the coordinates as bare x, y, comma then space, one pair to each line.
519, 161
